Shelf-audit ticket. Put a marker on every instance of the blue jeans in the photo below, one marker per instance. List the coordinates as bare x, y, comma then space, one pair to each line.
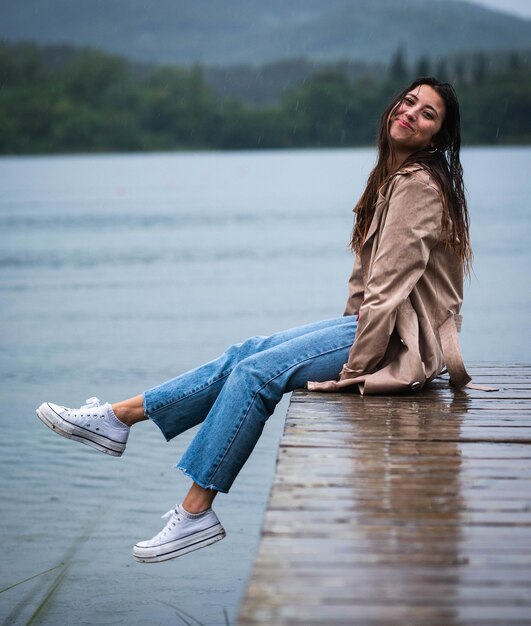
235, 394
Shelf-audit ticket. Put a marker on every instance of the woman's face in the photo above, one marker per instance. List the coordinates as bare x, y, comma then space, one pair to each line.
416, 120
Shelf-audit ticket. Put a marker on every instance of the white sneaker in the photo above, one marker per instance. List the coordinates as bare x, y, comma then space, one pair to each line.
183, 533
93, 424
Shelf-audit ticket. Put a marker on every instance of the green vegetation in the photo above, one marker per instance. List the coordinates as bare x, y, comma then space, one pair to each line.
88, 101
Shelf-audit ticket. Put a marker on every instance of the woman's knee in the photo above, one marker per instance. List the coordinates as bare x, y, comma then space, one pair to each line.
251, 370
259, 377
246, 348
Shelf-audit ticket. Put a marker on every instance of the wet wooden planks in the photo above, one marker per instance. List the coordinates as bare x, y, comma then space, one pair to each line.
410, 510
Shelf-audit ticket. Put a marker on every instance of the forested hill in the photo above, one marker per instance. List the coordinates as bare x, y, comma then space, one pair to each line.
83, 100
221, 33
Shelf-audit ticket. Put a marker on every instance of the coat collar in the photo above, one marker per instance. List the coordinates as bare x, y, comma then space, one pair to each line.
383, 197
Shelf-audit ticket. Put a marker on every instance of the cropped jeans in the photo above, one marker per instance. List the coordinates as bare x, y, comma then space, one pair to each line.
233, 395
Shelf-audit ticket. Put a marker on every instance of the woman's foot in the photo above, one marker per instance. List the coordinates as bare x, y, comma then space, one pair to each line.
93, 424
183, 533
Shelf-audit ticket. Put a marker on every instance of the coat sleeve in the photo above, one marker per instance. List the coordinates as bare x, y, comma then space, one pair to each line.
411, 228
355, 289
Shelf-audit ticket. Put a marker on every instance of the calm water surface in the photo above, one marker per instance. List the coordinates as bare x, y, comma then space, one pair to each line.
118, 272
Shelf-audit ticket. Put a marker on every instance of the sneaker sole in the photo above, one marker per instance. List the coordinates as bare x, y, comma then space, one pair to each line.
183, 546
70, 431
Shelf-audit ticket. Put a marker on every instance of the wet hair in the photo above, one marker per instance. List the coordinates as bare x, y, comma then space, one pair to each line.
440, 159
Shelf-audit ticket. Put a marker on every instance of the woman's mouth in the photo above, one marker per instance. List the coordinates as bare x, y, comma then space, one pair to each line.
405, 124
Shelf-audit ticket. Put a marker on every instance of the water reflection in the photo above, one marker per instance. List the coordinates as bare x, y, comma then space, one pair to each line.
407, 489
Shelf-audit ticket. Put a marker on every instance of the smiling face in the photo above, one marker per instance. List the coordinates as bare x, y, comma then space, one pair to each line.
415, 121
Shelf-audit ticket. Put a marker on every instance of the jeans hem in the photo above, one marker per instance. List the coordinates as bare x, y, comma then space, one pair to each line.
202, 484
154, 420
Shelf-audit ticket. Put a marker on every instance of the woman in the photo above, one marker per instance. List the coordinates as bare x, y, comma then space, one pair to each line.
412, 247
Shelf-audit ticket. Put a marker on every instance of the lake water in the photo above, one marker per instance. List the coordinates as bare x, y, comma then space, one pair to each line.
118, 272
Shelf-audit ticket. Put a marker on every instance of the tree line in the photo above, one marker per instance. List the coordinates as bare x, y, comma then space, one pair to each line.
90, 101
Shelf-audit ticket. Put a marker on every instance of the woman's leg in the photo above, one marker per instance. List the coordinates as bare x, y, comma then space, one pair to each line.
233, 426
185, 401
250, 394
198, 499
130, 411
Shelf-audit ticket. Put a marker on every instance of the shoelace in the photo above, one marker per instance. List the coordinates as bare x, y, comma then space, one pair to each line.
168, 513
174, 518
91, 403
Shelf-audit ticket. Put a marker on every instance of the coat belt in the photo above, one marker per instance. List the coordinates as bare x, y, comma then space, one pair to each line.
451, 349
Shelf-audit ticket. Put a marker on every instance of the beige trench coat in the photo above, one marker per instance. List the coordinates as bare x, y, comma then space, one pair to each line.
407, 287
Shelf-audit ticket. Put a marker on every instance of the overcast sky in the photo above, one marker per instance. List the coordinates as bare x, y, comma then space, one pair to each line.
521, 8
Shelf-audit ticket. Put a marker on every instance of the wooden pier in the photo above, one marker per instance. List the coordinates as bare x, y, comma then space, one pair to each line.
406, 510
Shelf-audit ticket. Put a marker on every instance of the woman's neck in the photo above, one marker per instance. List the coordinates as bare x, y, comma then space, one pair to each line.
396, 160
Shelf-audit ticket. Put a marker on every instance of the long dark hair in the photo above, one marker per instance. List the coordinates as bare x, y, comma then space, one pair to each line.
440, 159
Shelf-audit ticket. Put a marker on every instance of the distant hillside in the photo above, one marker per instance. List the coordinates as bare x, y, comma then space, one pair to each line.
257, 32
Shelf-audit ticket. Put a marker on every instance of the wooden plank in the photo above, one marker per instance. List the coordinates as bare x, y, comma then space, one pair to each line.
401, 509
